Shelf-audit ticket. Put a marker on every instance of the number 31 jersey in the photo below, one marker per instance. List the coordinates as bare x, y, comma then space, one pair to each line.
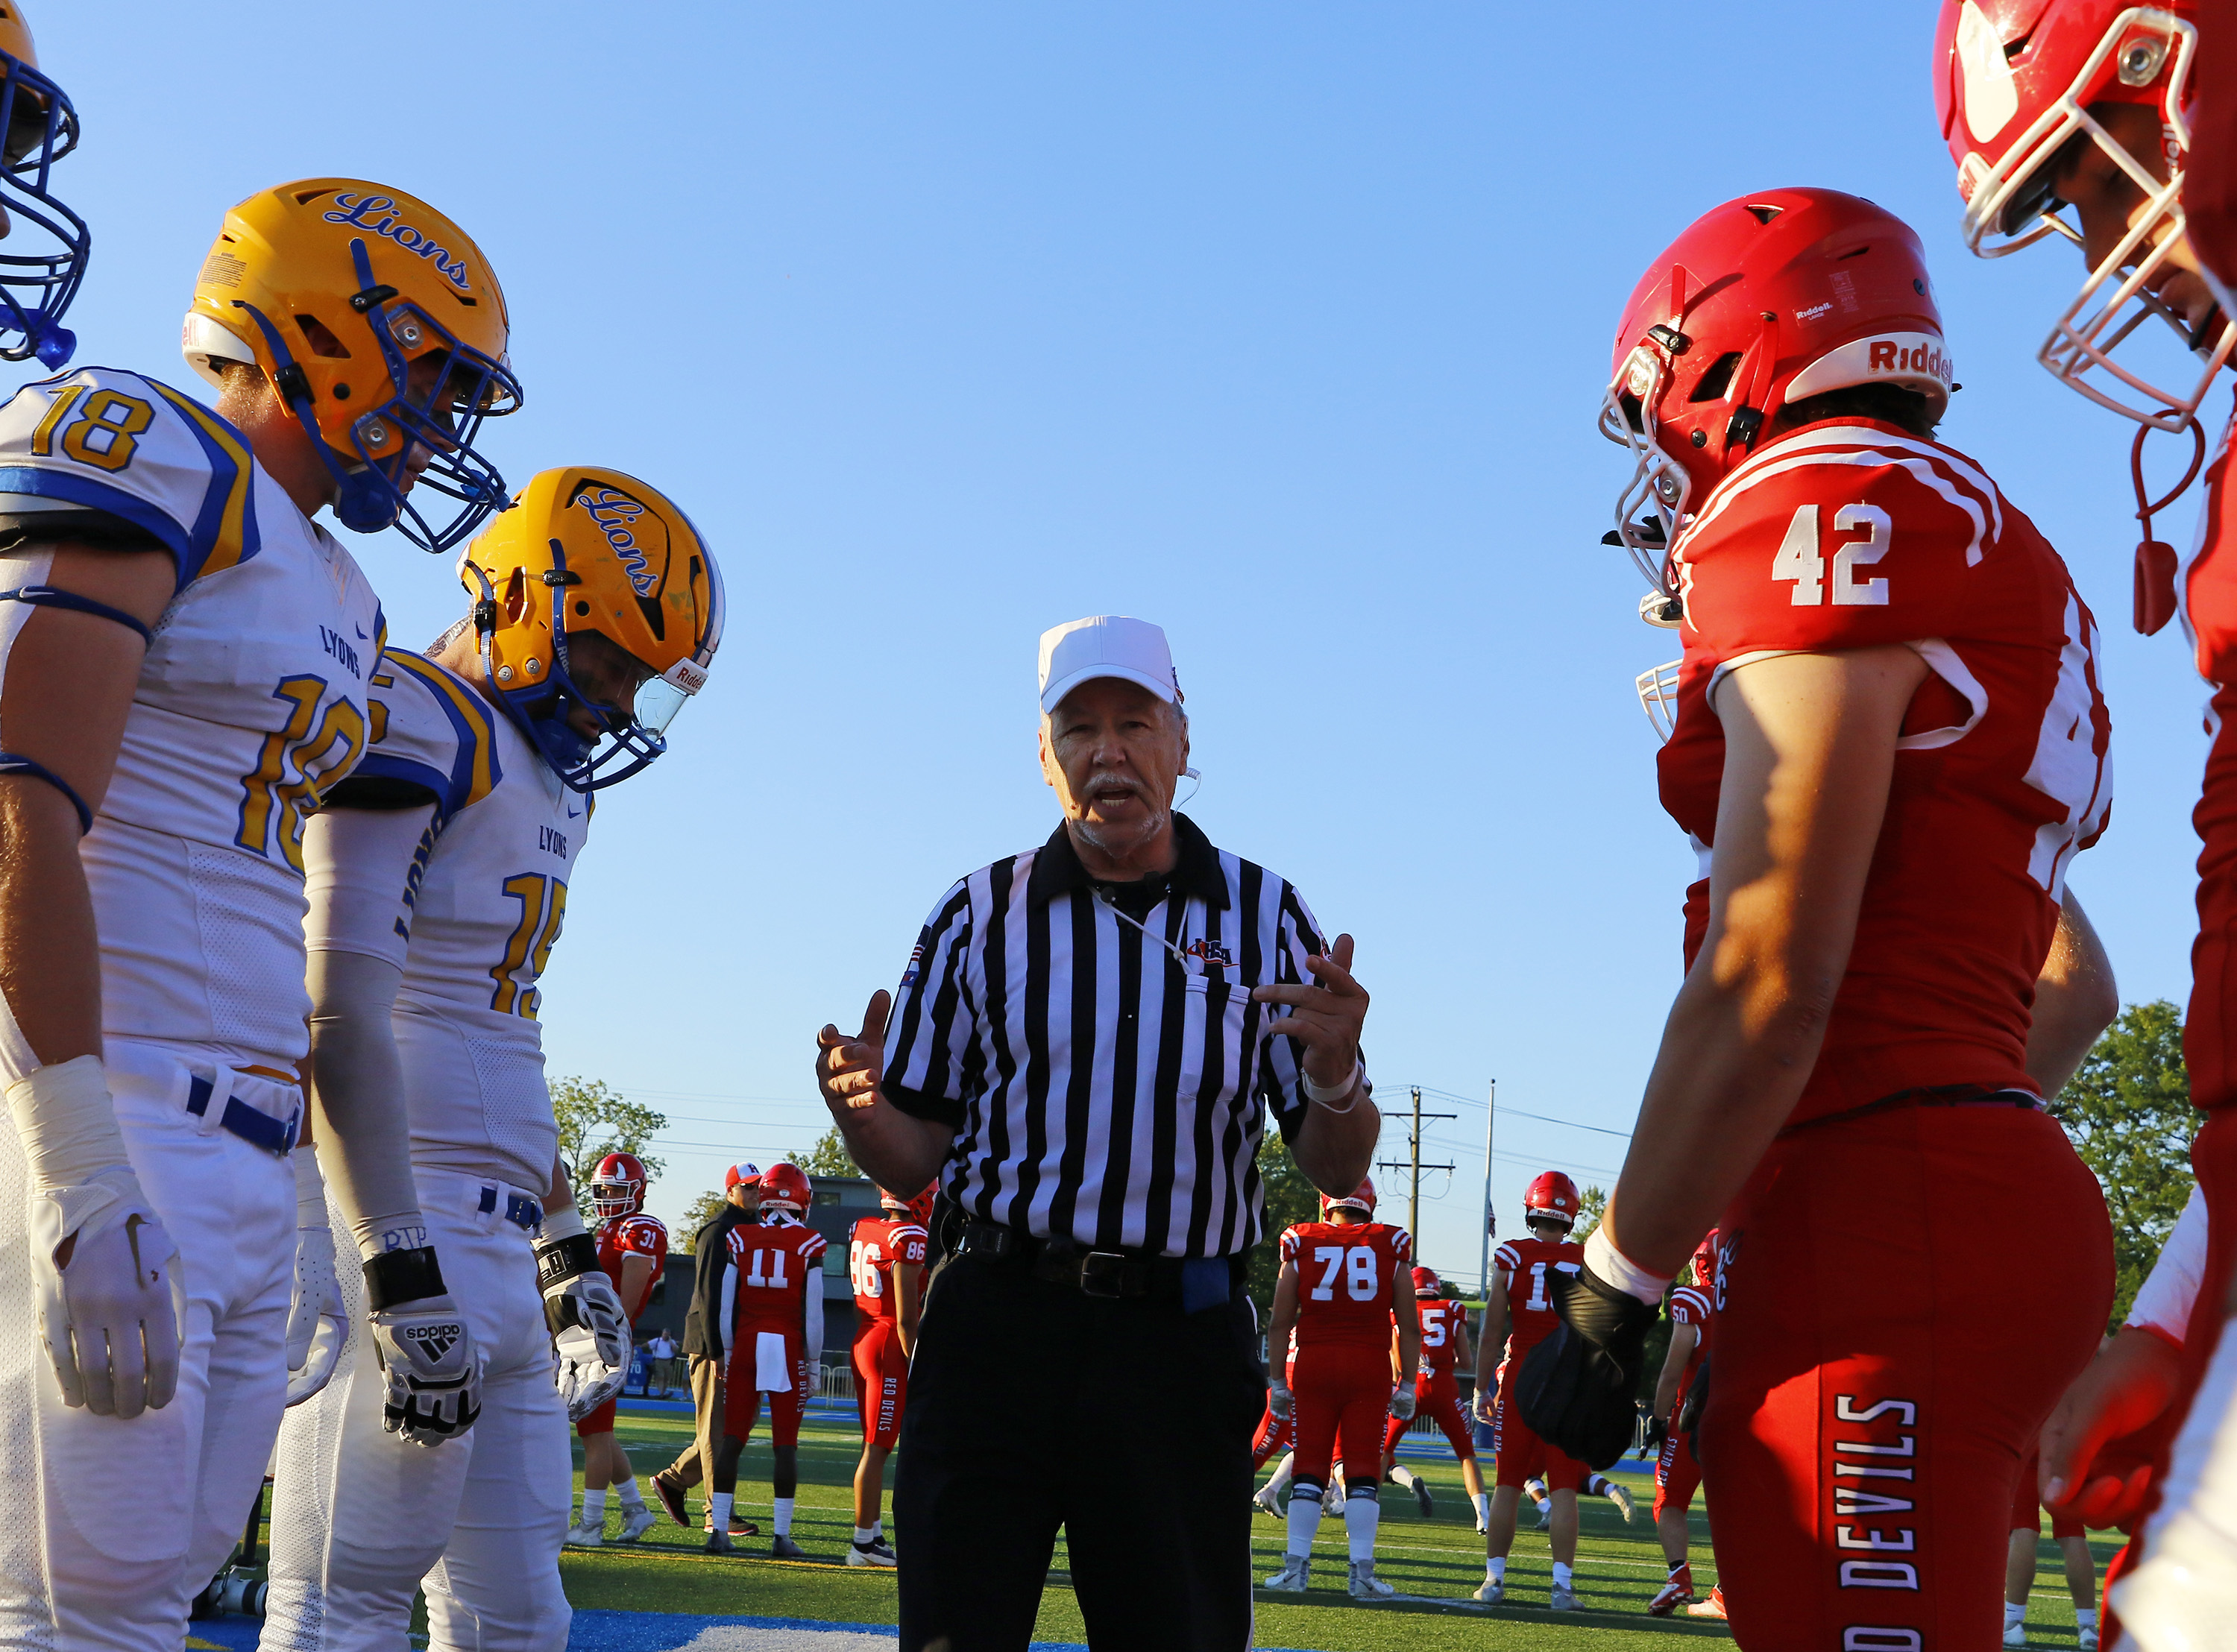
1853, 536
475, 923
1344, 1271
251, 702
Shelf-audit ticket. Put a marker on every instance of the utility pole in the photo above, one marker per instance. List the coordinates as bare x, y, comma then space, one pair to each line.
1490, 1222
1414, 1165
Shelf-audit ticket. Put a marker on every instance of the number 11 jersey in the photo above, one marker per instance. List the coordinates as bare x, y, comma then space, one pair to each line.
1345, 1272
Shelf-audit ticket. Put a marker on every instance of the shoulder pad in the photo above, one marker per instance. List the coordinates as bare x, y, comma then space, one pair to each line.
432, 729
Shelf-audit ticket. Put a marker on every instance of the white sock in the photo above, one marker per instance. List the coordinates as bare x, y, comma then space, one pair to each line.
785, 1517
631, 1498
865, 1535
1482, 1501
2014, 1612
1564, 1574
1403, 1476
1496, 1568
721, 1502
1283, 1471
877, 1527
1362, 1514
2084, 1618
594, 1506
1304, 1519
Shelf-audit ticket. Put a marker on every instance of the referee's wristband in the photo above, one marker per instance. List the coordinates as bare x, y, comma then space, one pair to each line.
1328, 1095
1612, 1266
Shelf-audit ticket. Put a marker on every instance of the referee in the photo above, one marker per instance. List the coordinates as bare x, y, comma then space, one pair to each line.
1088, 1040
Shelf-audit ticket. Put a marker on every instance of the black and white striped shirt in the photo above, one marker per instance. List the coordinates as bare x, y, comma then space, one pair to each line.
1102, 1086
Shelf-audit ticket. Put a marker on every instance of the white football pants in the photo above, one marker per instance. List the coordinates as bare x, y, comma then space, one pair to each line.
361, 1517
113, 1527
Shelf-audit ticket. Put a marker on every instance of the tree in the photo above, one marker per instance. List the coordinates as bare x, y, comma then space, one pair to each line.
1289, 1198
594, 1120
2128, 1114
828, 1157
1592, 1204
696, 1215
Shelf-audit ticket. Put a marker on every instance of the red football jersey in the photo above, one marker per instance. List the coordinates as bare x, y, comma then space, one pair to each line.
875, 1245
1690, 1305
1345, 1272
1853, 535
637, 1236
1523, 1265
775, 1259
1440, 1346
2208, 582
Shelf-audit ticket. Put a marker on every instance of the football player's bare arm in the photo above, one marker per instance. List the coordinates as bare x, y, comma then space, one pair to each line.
637, 1281
1283, 1321
1335, 1142
1810, 742
1408, 1318
894, 1150
908, 1279
1683, 1339
1487, 1347
68, 689
2076, 1000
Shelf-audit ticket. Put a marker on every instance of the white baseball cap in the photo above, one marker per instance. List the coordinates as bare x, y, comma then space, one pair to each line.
1109, 645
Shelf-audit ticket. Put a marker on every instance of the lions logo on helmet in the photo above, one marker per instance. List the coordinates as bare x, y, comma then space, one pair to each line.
617, 1186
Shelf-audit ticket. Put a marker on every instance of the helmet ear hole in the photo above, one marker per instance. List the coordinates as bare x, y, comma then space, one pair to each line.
321, 339
1713, 383
515, 596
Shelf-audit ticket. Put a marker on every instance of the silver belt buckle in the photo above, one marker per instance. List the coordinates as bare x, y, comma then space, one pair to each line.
1102, 1273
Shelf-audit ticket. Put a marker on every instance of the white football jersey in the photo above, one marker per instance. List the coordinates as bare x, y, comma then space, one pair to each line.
251, 702
474, 926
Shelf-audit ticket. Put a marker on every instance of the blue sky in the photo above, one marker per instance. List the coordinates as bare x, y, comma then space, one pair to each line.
1283, 326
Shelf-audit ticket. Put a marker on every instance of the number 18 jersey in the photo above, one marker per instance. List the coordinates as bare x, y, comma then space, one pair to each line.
1345, 1272
1525, 1266
1855, 535
251, 703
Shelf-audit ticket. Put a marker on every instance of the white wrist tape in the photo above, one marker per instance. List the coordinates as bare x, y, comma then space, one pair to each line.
1326, 1095
561, 1224
68, 1123
310, 1187
1611, 1264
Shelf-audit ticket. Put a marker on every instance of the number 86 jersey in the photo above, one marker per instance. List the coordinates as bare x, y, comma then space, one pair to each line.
1854, 535
251, 703
1344, 1271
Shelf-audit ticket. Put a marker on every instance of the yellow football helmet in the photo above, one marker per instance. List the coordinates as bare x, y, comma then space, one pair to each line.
335, 287
584, 549
43, 258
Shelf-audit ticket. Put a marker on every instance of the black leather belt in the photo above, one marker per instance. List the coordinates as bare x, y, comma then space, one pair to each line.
1112, 1275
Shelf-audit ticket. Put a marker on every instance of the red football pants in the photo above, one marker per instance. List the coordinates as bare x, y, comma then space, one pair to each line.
1437, 1398
1519, 1454
741, 1403
1906, 1294
880, 1381
600, 1421
2027, 1504
1343, 1392
1677, 1475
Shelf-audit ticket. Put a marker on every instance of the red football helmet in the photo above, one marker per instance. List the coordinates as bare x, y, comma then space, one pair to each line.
918, 1210
1765, 300
784, 1187
617, 1186
1426, 1282
1552, 1197
1704, 1260
1361, 1200
741, 1175
2014, 81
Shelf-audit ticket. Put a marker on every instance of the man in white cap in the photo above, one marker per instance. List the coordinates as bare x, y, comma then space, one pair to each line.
1088, 1039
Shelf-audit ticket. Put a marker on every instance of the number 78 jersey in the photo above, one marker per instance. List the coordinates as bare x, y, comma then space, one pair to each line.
1345, 1272
251, 703
1854, 535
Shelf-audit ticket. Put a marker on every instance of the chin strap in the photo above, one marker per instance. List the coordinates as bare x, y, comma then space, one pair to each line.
2156, 562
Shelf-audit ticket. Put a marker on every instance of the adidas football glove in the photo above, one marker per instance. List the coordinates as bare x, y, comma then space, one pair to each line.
589, 1333
1576, 1389
1278, 1398
1402, 1402
1657, 1432
318, 1325
434, 1371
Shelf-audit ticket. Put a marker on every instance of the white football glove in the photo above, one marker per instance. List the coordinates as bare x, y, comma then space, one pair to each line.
1279, 1398
1402, 1402
589, 1333
110, 1310
318, 1325
427, 1350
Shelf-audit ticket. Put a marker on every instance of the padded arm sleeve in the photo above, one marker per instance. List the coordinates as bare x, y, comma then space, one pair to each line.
728, 1294
357, 867
812, 1347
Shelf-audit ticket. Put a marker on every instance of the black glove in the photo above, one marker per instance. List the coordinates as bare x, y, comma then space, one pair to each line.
1657, 1432
1697, 1401
1577, 1390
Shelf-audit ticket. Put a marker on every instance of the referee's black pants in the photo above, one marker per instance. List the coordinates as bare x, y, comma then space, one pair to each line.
1127, 1423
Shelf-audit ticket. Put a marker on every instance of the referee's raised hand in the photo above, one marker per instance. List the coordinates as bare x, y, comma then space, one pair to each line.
849, 1069
1324, 1017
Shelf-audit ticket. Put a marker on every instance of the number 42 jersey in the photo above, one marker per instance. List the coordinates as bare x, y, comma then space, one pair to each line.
251, 703
1856, 534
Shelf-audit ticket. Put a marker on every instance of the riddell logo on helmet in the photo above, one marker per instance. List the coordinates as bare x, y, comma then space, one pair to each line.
614, 512
1891, 358
378, 214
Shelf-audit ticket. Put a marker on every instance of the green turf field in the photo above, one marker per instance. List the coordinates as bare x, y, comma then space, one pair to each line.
1619, 1567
